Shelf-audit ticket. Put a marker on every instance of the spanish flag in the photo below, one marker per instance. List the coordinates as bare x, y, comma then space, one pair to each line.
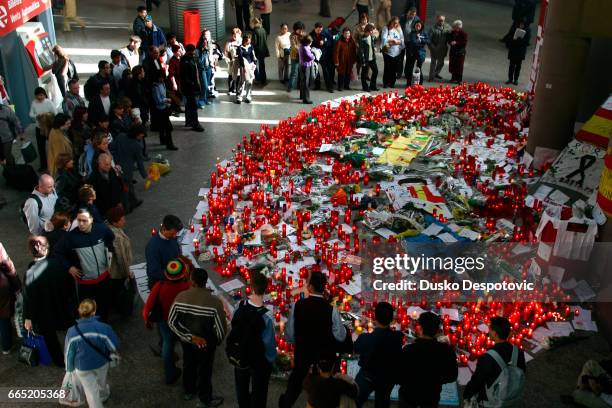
598, 129
425, 193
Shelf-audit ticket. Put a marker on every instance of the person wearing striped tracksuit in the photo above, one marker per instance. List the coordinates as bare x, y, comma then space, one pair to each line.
199, 320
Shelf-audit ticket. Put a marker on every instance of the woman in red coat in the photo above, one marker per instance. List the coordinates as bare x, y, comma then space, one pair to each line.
345, 56
456, 57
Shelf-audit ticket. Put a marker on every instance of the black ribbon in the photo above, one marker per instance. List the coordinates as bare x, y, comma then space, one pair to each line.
586, 161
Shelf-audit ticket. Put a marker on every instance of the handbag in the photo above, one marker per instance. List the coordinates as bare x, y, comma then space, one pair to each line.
73, 394
28, 355
34, 351
28, 152
112, 358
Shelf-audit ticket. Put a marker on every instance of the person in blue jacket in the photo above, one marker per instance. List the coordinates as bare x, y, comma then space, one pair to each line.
162, 248
89, 348
416, 53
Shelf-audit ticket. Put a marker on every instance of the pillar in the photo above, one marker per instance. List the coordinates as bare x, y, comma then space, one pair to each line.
559, 85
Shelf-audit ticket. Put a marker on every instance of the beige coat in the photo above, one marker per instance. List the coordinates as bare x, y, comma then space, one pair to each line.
58, 143
70, 8
122, 258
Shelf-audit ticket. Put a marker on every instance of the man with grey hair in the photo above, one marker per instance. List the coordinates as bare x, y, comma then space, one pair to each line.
38, 208
106, 183
439, 34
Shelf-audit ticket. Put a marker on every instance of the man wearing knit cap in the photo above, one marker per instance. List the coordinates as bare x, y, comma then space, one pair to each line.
160, 299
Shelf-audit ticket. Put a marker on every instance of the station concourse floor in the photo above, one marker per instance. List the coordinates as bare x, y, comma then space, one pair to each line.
138, 381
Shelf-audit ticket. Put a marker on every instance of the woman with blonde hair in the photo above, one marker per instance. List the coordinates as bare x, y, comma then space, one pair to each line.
63, 68
90, 346
392, 44
231, 55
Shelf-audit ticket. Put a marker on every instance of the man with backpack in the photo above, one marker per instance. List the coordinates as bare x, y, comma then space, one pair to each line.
425, 366
251, 346
499, 378
315, 327
198, 319
37, 210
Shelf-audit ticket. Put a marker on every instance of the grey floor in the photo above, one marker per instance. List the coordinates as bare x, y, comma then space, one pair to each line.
138, 382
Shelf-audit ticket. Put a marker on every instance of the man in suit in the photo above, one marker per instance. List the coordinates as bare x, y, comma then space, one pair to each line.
99, 106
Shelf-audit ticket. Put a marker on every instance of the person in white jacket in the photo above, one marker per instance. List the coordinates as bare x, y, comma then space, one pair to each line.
282, 45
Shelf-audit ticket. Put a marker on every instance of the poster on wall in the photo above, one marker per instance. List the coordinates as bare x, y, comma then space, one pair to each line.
13, 13
577, 168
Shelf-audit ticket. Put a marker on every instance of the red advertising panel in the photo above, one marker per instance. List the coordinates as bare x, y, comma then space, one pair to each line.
14, 13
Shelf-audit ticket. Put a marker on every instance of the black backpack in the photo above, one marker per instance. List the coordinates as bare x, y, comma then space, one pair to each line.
244, 345
38, 202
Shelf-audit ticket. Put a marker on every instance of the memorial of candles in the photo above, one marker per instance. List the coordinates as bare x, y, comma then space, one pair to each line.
304, 196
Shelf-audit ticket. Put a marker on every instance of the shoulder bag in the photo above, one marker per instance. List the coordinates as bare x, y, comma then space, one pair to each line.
112, 358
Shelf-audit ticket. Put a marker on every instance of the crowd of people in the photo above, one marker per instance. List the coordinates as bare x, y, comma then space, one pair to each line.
82, 275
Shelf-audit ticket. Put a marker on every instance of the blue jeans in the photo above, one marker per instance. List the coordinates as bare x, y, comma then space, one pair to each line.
295, 63
168, 342
205, 82
6, 334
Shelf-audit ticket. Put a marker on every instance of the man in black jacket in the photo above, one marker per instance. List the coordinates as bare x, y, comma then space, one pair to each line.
138, 27
94, 83
152, 66
487, 369
107, 185
426, 364
100, 105
379, 354
190, 88
315, 327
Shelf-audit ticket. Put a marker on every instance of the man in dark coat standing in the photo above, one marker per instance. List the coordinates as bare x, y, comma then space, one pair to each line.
517, 41
190, 88
316, 329
107, 185
324, 9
